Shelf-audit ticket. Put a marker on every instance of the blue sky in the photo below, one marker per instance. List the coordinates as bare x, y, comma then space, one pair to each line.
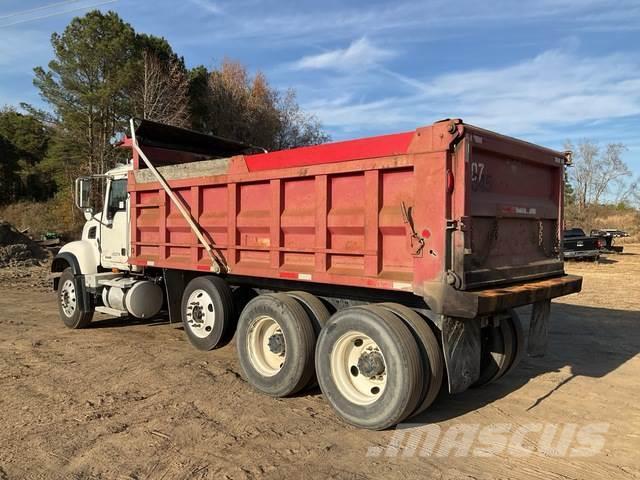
545, 71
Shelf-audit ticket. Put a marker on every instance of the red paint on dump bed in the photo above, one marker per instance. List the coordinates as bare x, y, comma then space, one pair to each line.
382, 146
333, 213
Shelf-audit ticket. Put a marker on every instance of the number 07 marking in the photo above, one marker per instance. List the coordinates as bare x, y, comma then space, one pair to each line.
477, 172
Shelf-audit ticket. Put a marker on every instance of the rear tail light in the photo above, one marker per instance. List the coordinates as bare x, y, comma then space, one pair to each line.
450, 181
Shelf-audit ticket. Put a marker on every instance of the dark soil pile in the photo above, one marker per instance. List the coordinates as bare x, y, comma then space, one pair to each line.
16, 249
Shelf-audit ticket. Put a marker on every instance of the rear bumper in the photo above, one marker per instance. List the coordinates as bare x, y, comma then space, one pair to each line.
581, 253
445, 300
499, 299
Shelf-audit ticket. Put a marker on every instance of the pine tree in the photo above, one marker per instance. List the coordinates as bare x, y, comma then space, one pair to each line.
87, 84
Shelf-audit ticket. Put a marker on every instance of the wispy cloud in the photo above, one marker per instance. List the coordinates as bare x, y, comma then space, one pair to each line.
552, 89
278, 21
358, 55
536, 96
208, 6
545, 70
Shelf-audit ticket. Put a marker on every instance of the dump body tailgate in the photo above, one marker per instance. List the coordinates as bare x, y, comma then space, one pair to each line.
507, 215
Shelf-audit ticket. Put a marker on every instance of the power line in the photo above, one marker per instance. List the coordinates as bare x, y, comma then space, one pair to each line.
37, 9
53, 14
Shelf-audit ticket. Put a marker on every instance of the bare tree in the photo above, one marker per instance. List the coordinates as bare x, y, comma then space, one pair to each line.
584, 163
297, 128
610, 169
234, 104
164, 91
597, 174
627, 192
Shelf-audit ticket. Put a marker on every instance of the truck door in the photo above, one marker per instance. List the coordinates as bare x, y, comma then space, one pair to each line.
114, 231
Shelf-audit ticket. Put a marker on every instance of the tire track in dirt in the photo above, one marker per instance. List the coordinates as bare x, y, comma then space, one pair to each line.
85, 404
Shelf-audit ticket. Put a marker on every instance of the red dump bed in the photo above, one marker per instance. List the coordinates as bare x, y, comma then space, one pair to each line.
480, 210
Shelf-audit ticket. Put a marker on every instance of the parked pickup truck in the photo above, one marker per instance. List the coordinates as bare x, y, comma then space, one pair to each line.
608, 236
577, 244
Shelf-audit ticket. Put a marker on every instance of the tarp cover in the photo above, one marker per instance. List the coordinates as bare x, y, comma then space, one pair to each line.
159, 135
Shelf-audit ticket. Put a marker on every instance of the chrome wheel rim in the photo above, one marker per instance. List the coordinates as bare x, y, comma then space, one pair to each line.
266, 346
68, 300
358, 368
200, 313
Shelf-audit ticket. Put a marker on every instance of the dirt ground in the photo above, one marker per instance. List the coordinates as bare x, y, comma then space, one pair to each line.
133, 400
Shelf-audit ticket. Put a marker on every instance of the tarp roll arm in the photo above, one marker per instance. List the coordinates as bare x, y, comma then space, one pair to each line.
218, 264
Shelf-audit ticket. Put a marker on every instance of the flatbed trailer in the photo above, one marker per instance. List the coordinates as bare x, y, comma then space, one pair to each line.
378, 262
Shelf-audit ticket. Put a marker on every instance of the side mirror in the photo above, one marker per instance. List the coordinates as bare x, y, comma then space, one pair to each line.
83, 192
83, 196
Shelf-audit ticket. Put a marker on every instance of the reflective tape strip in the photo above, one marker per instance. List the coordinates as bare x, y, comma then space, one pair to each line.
401, 286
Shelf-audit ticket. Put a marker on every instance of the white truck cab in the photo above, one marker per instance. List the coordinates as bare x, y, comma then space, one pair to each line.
112, 232
93, 273
105, 235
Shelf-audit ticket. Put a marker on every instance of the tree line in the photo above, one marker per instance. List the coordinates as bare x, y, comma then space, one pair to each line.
102, 73
600, 175
599, 186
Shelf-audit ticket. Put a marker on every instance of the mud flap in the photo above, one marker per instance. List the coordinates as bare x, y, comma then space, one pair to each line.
174, 283
539, 328
84, 297
461, 347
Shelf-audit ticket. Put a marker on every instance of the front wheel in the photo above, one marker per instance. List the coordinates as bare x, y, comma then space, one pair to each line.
71, 305
208, 312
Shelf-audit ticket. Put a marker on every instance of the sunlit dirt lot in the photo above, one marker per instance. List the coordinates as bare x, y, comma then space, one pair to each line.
133, 400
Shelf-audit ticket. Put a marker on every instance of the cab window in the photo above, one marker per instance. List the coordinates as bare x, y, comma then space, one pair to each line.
117, 197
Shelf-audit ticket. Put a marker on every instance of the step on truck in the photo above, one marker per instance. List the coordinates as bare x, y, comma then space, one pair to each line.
381, 269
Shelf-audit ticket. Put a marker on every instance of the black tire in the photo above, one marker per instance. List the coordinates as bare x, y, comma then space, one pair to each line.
318, 314
497, 352
296, 370
402, 362
509, 347
518, 339
316, 310
81, 315
491, 354
242, 296
214, 298
430, 351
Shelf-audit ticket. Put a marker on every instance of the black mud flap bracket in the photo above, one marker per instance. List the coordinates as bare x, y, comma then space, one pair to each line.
461, 347
174, 282
539, 328
85, 302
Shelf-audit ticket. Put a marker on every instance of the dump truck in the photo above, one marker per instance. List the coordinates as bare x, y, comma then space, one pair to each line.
380, 269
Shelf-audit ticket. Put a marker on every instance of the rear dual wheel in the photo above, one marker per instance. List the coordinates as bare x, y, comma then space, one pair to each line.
430, 352
319, 316
369, 367
275, 341
502, 348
